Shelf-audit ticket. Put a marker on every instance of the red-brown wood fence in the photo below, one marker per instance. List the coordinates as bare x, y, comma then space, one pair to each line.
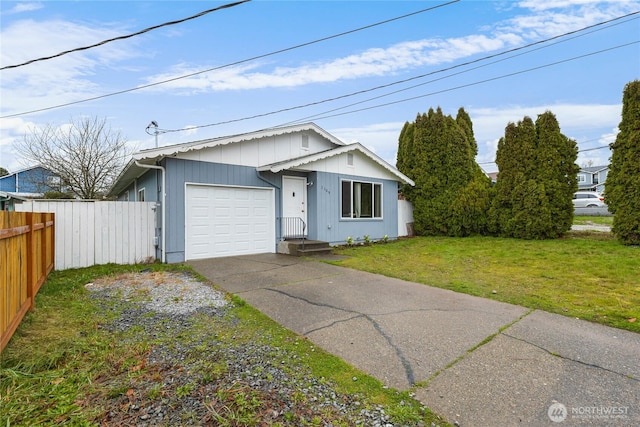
27, 253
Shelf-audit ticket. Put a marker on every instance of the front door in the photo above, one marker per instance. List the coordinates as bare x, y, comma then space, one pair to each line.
294, 207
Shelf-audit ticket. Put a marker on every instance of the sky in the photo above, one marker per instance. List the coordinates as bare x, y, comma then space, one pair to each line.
361, 69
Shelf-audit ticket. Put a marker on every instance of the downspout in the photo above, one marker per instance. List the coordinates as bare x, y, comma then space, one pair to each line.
164, 216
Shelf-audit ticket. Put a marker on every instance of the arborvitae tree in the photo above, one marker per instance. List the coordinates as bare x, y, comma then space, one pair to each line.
471, 205
514, 160
536, 181
438, 153
622, 192
404, 158
557, 170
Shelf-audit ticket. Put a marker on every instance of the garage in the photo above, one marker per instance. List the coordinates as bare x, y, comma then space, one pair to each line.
226, 221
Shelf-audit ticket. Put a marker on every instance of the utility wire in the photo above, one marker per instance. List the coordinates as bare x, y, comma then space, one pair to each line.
471, 84
146, 30
234, 63
310, 104
459, 72
593, 149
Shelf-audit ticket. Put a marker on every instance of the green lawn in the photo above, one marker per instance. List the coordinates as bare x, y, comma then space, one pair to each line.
585, 275
593, 220
63, 368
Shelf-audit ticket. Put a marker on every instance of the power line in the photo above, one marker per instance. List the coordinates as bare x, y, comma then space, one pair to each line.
146, 30
471, 84
234, 63
593, 149
310, 104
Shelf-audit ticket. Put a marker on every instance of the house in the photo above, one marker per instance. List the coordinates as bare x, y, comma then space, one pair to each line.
26, 184
592, 178
242, 194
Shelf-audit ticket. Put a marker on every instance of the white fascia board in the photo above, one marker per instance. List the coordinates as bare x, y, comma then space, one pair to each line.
278, 167
156, 153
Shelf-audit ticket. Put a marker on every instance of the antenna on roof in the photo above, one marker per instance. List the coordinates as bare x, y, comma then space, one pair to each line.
154, 125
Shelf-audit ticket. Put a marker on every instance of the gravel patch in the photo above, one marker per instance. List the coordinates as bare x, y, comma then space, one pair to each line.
189, 376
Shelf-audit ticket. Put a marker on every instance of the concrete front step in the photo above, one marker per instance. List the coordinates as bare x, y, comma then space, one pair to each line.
301, 247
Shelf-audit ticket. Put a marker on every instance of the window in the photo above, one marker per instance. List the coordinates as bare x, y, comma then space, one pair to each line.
305, 141
582, 177
53, 181
141, 195
361, 199
349, 159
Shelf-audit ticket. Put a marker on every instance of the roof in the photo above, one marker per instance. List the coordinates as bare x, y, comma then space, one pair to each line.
25, 170
19, 196
594, 169
133, 169
300, 161
156, 153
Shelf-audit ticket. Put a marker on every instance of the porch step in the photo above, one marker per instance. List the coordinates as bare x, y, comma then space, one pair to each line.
299, 247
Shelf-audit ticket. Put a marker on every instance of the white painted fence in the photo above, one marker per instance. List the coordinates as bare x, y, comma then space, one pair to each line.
405, 218
95, 232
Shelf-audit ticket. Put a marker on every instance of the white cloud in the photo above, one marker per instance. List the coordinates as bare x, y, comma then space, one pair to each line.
25, 7
59, 80
369, 63
538, 5
548, 19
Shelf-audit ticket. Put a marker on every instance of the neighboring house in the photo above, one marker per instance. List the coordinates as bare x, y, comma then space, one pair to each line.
25, 184
242, 194
592, 178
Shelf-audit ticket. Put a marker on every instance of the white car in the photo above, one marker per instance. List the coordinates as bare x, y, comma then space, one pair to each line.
588, 199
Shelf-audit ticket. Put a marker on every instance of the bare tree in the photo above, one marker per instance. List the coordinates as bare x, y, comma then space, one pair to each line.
87, 154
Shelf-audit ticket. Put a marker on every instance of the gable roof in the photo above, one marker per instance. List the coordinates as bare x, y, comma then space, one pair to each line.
156, 153
300, 161
27, 169
150, 156
594, 169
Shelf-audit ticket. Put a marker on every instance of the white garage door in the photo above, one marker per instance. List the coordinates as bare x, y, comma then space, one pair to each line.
226, 221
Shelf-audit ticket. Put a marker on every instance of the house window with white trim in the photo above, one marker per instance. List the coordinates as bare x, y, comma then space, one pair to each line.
582, 177
141, 195
361, 199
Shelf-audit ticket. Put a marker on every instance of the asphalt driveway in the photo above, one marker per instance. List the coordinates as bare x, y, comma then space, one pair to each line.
474, 361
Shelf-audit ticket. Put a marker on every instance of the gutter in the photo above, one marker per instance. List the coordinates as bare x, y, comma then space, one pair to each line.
164, 195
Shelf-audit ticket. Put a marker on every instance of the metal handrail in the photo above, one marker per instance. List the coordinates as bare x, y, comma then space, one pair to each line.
292, 227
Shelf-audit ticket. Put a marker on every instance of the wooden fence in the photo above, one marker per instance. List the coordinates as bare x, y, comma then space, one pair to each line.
100, 232
27, 256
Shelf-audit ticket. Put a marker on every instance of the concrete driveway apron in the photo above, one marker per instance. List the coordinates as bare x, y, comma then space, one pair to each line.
474, 361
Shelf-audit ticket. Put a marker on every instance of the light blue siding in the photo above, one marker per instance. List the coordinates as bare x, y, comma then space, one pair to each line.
325, 221
32, 180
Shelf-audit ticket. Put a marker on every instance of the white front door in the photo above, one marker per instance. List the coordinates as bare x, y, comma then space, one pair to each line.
294, 206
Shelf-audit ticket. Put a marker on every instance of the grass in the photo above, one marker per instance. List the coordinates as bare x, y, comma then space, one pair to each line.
593, 220
61, 368
585, 275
